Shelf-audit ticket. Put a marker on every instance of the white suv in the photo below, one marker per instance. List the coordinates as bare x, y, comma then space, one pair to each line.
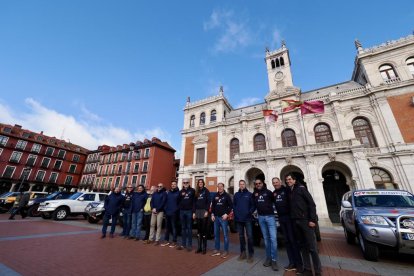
75, 205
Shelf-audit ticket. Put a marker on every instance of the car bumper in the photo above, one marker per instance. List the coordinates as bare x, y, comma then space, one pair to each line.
383, 235
46, 209
405, 234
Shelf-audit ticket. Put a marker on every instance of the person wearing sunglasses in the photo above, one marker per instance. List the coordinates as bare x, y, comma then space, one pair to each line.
158, 201
186, 205
263, 199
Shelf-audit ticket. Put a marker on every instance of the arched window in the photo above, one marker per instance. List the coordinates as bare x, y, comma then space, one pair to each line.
192, 120
410, 65
272, 64
259, 142
282, 61
363, 132
387, 72
277, 63
382, 179
323, 133
289, 138
202, 118
234, 148
213, 116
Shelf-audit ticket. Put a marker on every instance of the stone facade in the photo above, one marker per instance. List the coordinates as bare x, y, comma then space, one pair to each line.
368, 124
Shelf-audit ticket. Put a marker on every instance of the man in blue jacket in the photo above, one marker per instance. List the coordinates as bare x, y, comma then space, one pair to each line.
158, 201
112, 205
126, 211
243, 209
139, 199
263, 199
171, 215
186, 202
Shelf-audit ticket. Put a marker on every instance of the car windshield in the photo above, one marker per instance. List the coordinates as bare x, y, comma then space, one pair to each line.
6, 194
393, 199
52, 196
75, 195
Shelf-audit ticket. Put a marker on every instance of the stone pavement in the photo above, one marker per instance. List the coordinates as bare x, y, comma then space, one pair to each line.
44, 247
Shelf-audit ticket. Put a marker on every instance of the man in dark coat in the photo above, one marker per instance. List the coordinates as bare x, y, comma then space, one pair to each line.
20, 205
113, 205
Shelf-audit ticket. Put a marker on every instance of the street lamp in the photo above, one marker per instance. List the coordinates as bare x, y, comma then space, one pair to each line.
26, 169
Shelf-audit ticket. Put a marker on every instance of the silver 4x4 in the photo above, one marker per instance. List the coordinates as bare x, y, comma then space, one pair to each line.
379, 219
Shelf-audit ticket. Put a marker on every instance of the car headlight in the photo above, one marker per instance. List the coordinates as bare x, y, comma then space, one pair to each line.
31, 202
374, 220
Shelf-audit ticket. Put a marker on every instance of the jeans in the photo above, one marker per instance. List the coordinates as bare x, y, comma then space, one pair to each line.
136, 224
291, 243
156, 222
127, 224
307, 244
219, 222
268, 227
241, 227
186, 227
171, 225
106, 219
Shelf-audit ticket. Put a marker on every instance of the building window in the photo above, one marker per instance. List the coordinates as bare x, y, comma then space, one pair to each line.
1, 151
259, 142
113, 169
119, 169
289, 138
3, 140
137, 154
15, 157
117, 181
53, 177
110, 182
26, 135
363, 132
40, 175
68, 180
76, 158
382, 179
31, 160
7, 129
45, 163
387, 72
410, 65
21, 144
213, 116
136, 167
49, 151
192, 120
202, 119
8, 172
145, 167
147, 153
143, 180
323, 133
200, 156
234, 148
72, 168
125, 181
36, 148
272, 64
58, 164
61, 154
282, 61
39, 138
134, 180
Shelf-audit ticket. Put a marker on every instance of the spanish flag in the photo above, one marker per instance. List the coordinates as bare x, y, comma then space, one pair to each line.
270, 115
312, 107
288, 105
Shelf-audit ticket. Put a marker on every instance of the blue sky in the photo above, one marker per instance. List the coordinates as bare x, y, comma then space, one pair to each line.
112, 72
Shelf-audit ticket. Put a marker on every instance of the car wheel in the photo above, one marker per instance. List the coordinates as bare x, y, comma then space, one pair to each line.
60, 213
92, 220
369, 249
33, 212
45, 215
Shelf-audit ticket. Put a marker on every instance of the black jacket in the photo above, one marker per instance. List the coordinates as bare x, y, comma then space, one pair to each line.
302, 205
221, 204
282, 201
186, 199
203, 200
263, 200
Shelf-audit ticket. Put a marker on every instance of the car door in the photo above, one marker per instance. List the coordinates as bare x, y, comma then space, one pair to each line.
87, 198
349, 214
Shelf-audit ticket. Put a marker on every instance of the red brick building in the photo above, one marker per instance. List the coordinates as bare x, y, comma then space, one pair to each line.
148, 163
46, 163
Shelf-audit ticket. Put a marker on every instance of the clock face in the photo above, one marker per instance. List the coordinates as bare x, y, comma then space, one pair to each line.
279, 75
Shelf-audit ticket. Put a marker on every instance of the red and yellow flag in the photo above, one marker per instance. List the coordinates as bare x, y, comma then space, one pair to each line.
288, 105
270, 115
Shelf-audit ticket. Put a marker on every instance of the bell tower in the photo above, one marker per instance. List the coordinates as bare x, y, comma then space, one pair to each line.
278, 73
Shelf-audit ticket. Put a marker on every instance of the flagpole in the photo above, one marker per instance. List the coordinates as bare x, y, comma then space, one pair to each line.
284, 128
303, 128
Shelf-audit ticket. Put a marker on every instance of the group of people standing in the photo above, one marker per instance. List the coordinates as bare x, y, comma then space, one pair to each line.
294, 205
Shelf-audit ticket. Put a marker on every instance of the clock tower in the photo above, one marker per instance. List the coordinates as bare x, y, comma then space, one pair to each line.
278, 74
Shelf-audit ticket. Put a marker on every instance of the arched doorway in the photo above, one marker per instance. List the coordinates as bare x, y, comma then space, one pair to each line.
230, 190
251, 175
296, 171
336, 177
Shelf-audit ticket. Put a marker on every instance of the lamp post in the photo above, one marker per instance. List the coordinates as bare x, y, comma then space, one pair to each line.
25, 170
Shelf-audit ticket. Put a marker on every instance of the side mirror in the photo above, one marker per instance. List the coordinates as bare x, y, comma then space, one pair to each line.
346, 204
81, 198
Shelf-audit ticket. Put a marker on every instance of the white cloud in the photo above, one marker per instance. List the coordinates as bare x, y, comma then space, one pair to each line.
247, 101
89, 133
276, 39
234, 32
